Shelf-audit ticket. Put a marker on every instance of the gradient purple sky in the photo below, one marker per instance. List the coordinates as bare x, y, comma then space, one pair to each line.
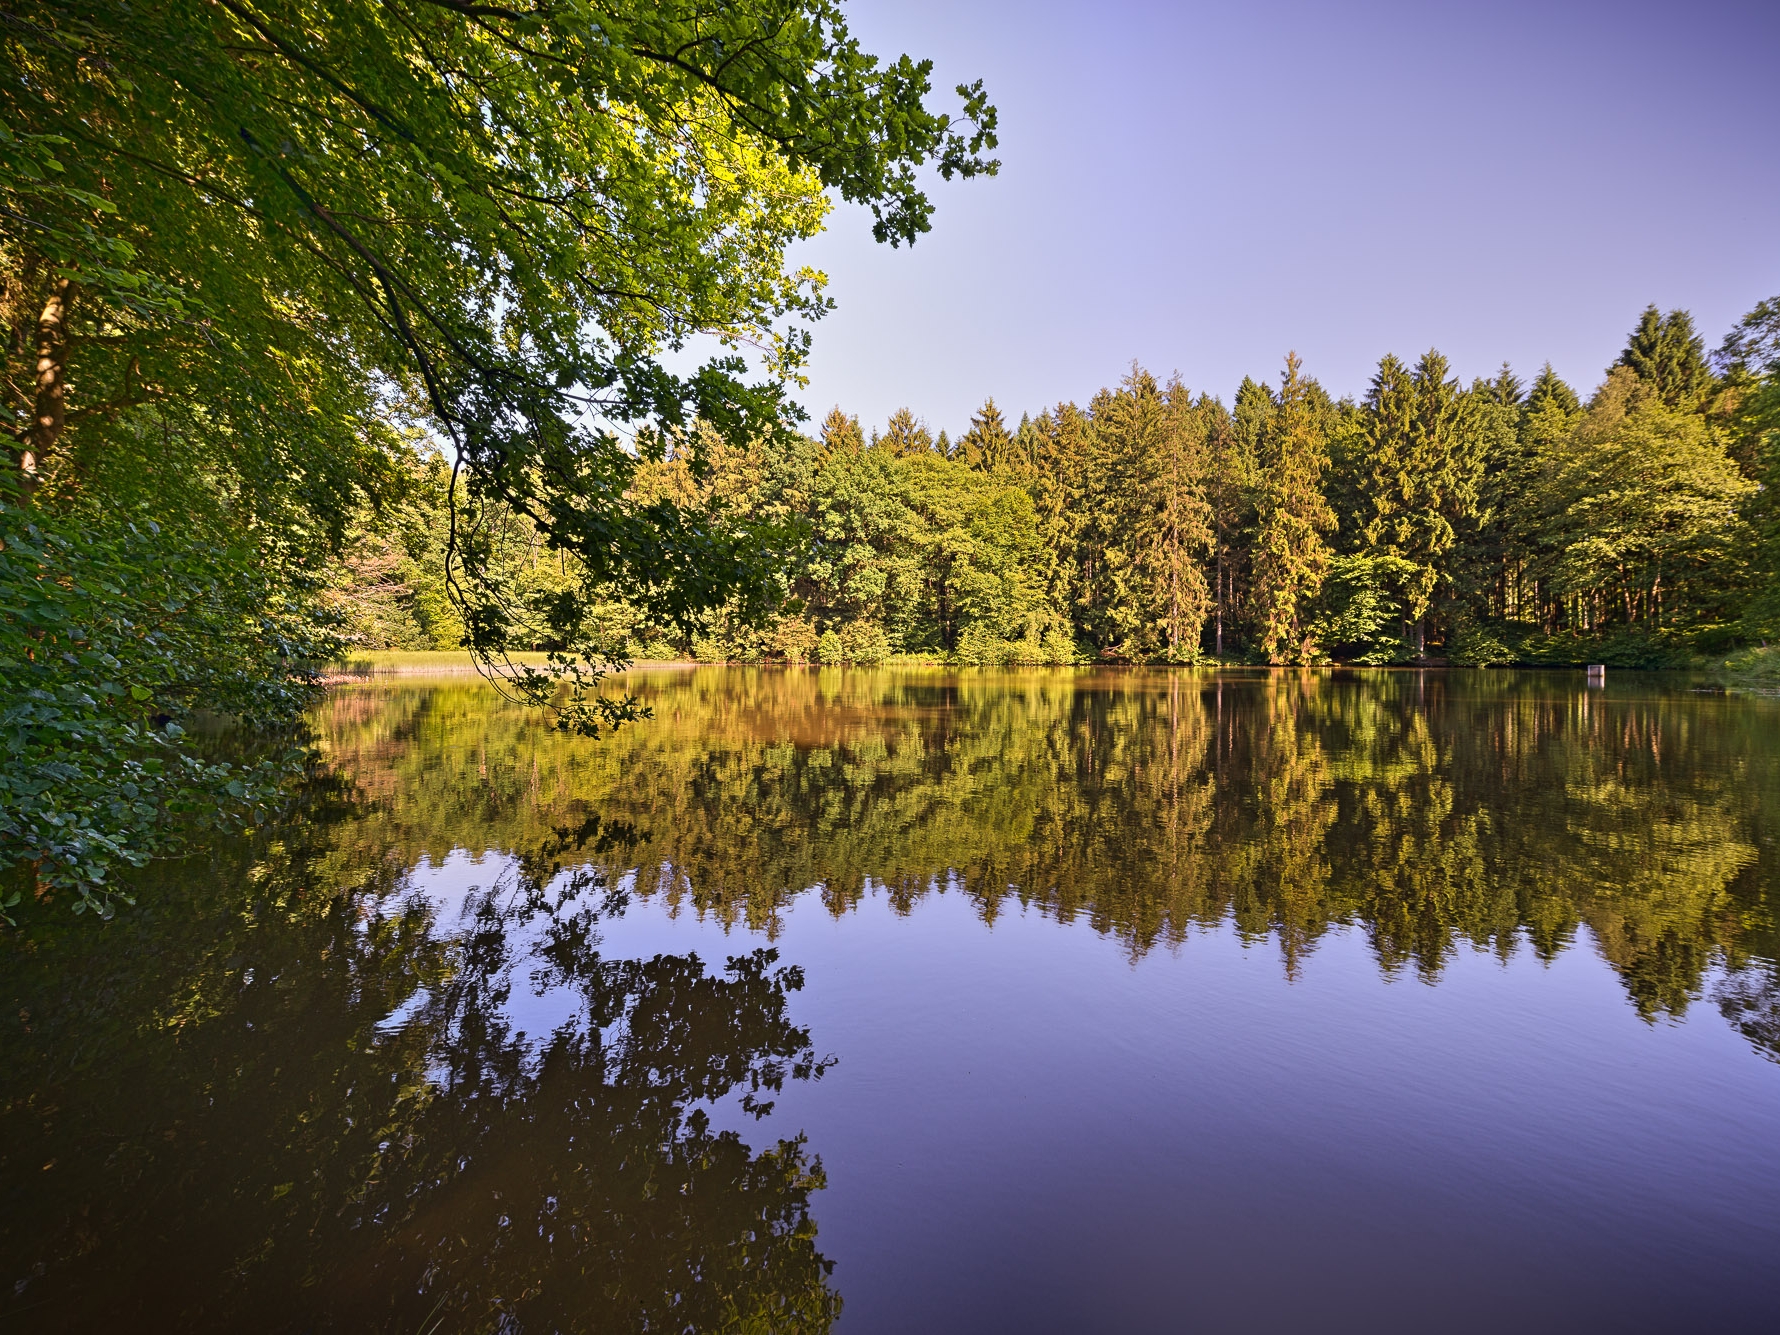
1202, 187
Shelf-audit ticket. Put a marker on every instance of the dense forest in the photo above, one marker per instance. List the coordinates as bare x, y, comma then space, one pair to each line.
1504, 521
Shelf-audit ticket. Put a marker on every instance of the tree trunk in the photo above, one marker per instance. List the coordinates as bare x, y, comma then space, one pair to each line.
49, 405
1220, 630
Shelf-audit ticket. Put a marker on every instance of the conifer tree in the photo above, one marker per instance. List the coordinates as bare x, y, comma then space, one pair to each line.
1230, 494
1101, 483
1544, 438
1666, 353
1027, 445
987, 445
1482, 566
1173, 523
1148, 519
1551, 391
904, 434
1421, 473
841, 434
1057, 486
1291, 552
1505, 390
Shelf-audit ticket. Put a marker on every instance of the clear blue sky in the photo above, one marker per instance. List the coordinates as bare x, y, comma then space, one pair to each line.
1202, 187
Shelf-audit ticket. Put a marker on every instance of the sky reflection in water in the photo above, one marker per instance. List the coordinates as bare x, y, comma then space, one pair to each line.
1097, 1001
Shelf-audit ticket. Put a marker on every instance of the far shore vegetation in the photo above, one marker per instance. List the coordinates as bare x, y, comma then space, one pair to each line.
1427, 523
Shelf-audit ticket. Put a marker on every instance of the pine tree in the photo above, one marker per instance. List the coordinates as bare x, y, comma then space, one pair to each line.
1666, 354
1550, 391
1291, 554
841, 433
1421, 474
904, 434
987, 446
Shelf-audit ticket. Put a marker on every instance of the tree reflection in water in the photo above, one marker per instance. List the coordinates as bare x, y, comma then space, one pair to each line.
287, 1092
210, 1124
1434, 811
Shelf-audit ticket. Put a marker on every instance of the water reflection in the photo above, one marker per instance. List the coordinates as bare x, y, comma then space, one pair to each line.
1436, 811
291, 1095
306, 1084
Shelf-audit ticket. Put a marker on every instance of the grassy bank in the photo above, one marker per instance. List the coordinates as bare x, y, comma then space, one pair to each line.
1756, 669
413, 662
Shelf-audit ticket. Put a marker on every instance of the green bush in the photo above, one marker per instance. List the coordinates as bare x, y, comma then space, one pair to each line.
112, 632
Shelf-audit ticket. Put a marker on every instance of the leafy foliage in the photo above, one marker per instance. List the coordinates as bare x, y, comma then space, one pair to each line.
253, 254
112, 636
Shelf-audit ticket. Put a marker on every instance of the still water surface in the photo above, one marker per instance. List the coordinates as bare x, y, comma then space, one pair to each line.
892, 1001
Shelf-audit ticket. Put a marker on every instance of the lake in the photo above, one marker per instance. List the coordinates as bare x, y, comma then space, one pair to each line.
901, 1000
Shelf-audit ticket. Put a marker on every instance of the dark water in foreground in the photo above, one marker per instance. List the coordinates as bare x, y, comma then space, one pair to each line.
920, 1002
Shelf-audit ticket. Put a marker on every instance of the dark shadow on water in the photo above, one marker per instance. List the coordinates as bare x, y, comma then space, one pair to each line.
212, 1121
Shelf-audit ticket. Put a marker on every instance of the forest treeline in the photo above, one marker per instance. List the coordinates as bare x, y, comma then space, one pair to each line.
1504, 521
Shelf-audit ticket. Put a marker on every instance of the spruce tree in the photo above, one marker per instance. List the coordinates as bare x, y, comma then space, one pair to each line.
1230, 487
987, 446
1291, 553
1173, 527
841, 433
1505, 390
1421, 474
1027, 444
1057, 454
1550, 391
1666, 354
904, 434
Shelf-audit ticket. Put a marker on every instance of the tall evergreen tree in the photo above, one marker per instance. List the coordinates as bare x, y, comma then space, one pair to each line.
987, 445
1505, 390
1421, 474
1666, 354
1102, 483
1027, 444
841, 433
1173, 523
1230, 490
1291, 551
1551, 391
904, 434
